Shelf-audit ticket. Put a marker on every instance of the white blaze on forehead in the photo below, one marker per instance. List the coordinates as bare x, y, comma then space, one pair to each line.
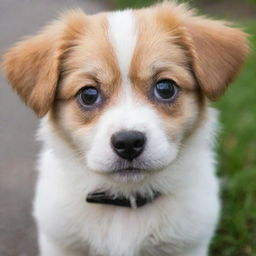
122, 35
129, 112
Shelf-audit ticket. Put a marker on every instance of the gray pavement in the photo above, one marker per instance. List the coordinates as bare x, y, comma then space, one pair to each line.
18, 148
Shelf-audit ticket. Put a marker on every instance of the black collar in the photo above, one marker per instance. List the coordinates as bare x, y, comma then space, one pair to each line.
132, 202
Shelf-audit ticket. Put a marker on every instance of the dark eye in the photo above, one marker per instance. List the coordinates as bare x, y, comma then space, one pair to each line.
89, 96
165, 90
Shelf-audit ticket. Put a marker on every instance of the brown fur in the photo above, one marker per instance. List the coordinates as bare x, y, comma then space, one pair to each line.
32, 66
218, 53
75, 51
91, 62
159, 56
32, 69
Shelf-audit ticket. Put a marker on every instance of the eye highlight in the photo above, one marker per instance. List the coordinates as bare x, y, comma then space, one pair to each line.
165, 90
89, 97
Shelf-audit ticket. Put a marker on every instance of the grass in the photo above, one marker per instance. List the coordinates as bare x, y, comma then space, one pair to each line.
142, 3
236, 235
132, 3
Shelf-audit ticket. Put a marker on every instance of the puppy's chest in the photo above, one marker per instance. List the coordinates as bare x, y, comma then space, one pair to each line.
122, 233
112, 231
149, 246
162, 249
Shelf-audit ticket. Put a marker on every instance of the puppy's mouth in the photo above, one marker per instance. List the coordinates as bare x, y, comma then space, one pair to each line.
129, 174
124, 171
128, 171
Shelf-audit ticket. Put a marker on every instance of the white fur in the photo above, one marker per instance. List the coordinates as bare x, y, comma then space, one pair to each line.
184, 217
179, 223
122, 33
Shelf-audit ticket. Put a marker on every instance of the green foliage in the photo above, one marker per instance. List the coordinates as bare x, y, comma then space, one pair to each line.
143, 3
237, 157
251, 1
133, 3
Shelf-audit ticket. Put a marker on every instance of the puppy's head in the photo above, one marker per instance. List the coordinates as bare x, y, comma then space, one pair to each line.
126, 89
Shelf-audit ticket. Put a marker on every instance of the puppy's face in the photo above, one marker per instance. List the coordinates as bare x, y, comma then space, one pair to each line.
129, 99
126, 89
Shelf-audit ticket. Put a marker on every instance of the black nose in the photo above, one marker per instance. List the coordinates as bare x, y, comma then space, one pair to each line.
128, 144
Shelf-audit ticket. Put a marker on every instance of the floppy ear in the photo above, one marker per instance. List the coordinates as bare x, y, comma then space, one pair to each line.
218, 53
32, 67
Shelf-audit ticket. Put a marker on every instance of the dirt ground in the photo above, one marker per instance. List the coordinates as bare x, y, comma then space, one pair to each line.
18, 148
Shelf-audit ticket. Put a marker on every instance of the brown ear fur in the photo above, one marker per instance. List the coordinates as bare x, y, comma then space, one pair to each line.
218, 53
32, 67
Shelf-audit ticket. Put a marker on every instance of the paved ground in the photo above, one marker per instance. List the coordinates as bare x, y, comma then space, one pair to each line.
17, 127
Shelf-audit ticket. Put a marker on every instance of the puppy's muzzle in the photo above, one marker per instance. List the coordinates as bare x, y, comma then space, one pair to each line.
128, 144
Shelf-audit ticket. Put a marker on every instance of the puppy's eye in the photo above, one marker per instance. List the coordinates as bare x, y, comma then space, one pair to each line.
165, 90
89, 96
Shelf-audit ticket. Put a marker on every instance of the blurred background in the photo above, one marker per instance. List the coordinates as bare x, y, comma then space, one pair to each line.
236, 235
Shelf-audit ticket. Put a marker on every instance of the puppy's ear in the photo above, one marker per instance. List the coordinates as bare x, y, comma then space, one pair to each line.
32, 67
218, 53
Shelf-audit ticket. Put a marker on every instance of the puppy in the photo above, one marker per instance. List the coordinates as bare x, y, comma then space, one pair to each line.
127, 166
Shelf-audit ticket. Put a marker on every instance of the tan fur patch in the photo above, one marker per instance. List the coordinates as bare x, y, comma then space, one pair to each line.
218, 53
91, 62
32, 69
32, 66
158, 55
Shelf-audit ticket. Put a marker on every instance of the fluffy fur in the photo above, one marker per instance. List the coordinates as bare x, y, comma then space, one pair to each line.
123, 54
